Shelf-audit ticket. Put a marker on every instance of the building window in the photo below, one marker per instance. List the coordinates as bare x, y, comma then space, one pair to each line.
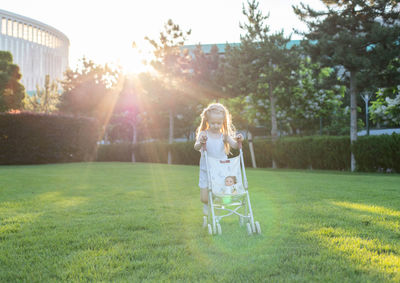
9, 28
15, 29
25, 32
39, 36
4, 26
30, 33
20, 30
45, 39
35, 35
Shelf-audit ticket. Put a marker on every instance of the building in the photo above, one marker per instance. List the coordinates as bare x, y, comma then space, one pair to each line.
206, 48
378, 132
38, 49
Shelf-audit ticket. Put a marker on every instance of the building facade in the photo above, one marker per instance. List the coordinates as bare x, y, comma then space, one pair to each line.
38, 49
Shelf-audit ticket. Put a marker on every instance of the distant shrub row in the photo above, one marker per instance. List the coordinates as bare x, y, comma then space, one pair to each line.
29, 138
378, 153
373, 153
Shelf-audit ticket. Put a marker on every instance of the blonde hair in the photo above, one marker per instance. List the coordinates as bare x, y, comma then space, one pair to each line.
227, 128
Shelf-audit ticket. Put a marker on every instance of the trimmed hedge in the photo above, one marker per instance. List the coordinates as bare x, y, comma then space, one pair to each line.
332, 153
154, 152
373, 153
30, 138
378, 153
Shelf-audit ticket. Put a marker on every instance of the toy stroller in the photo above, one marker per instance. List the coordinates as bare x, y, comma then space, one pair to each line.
225, 197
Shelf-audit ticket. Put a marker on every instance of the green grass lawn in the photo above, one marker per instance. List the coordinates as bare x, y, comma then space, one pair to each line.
126, 222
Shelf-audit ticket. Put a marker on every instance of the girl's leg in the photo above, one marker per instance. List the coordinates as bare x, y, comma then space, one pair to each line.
204, 199
204, 195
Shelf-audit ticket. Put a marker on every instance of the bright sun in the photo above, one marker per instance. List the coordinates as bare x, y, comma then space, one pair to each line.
135, 60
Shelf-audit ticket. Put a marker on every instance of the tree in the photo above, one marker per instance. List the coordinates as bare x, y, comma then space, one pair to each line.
263, 64
155, 117
360, 36
172, 65
205, 76
261, 67
316, 96
128, 108
90, 90
12, 92
46, 99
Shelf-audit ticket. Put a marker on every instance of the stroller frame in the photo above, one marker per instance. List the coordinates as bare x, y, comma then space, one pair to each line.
212, 222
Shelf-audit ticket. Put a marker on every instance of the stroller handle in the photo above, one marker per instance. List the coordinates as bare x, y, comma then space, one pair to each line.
239, 144
204, 147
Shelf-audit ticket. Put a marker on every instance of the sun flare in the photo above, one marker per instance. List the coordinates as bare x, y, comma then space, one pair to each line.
135, 60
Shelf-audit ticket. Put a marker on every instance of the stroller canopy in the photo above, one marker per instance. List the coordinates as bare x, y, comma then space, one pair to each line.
219, 169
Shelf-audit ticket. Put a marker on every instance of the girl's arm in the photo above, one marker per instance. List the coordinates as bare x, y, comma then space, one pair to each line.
200, 141
234, 142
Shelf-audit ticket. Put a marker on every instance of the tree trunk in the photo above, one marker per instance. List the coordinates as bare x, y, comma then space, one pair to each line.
171, 134
274, 124
353, 115
134, 140
253, 158
105, 136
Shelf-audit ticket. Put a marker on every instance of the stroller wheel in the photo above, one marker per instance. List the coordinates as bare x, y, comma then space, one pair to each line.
204, 221
258, 227
219, 229
253, 227
249, 231
210, 229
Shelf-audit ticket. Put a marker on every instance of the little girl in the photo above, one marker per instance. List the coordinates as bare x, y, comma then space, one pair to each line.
217, 130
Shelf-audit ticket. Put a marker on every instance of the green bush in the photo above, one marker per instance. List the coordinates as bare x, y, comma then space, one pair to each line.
376, 153
154, 152
30, 138
114, 152
320, 152
330, 153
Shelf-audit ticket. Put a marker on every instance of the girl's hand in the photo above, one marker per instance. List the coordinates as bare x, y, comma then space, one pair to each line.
203, 138
239, 137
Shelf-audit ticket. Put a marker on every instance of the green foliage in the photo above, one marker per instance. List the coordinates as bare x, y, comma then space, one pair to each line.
358, 35
154, 152
89, 90
45, 100
331, 153
376, 153
30, 138
362, 37
244, 114
385, 110
205, 78
261, 68
123, 222
318, 95
12, 92
281, 86
173, 69
115, 152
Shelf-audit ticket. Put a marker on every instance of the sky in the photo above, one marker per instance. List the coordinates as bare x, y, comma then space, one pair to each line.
104, 31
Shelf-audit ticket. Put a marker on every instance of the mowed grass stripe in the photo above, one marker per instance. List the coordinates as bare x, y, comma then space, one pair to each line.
125, 222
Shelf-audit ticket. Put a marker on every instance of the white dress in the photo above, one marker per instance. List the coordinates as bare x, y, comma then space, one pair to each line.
215, 149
